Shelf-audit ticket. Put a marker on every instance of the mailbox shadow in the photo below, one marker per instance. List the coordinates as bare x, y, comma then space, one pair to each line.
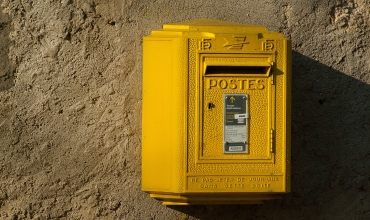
330, 151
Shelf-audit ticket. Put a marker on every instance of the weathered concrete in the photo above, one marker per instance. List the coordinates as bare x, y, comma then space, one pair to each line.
70, 103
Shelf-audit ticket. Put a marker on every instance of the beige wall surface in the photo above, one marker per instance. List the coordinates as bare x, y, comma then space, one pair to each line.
70, 107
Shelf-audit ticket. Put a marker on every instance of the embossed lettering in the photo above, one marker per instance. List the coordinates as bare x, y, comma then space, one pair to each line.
260, 85
268, 45
251, 84
234, 185
241, 84
261, 185
232, 84
207, 180
223, 84
259, 179
208, 186
242, 81
205, 44
240, 179
225, 180
212, 83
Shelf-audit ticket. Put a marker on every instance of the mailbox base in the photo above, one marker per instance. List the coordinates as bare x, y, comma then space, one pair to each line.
213, 198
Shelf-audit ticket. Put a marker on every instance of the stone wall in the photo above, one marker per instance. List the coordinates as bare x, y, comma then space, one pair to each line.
70, 107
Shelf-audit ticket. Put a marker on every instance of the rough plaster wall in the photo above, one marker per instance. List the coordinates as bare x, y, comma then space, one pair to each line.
70, 104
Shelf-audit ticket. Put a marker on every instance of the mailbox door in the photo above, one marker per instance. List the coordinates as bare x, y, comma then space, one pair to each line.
237, 108
261, 77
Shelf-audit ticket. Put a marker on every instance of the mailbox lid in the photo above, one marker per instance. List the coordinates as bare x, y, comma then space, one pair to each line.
210, 28
213, 26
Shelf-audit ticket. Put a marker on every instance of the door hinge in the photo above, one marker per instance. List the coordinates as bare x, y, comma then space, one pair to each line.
272, 137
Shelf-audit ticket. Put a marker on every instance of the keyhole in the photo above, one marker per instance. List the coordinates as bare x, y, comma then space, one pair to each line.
210, 105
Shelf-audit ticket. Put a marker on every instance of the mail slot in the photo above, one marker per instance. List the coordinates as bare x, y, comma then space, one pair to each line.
216, 113
244, 69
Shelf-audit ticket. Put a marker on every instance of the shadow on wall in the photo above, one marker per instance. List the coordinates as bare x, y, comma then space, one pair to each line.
7, 69
330, 151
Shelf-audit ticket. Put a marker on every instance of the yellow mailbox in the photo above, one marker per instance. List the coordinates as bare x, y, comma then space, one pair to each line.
216, 113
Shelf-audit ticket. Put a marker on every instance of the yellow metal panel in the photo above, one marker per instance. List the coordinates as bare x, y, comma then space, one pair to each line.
178, 102
156, 139
164, 114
